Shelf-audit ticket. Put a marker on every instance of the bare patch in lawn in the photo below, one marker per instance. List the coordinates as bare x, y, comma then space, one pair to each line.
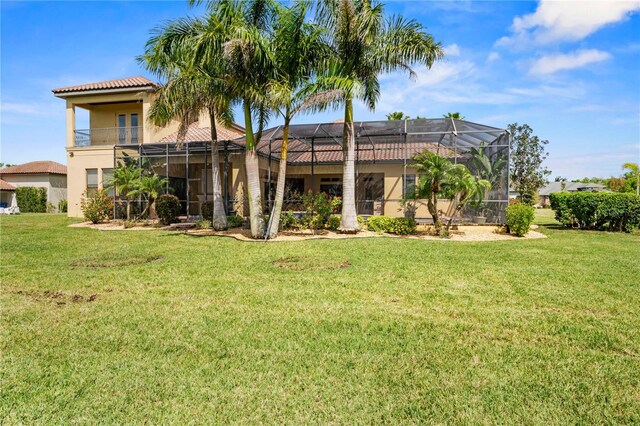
298, 263
114, 261
59, 297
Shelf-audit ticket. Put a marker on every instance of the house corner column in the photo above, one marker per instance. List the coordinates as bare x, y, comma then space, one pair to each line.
71, 124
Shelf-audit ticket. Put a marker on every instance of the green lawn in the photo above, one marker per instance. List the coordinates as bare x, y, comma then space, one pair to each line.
158, 327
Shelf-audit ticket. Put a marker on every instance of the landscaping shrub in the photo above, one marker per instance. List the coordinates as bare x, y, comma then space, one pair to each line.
31, 199
168, 208
362, 222
519, 218
318, 208
380, 224
404, 226
392, 225
63, 206
333, 222
604, 211
96, 206
235, 221
207, 210
204, 224
288, 220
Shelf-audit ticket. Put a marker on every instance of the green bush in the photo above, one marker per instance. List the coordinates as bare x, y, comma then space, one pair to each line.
380, 224
207, 210
318, 208
362, 223
96, 206
603, 211
519, 218
392, 225
168, 208
404, 226
31, 199
203, 224
235, 221
333, 222
288, 220
63, 206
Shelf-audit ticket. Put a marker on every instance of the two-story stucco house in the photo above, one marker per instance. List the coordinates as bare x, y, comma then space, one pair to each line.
119, 131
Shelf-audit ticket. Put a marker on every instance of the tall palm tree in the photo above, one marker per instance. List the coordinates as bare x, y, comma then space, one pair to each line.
298, 48
435, 172
635, 169
191, 88
365, 44
454, 115
125, 182
248, 65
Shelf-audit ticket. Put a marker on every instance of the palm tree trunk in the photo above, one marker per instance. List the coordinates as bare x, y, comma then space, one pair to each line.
349, 217
272, 232
219, 219
128, 209
252, 171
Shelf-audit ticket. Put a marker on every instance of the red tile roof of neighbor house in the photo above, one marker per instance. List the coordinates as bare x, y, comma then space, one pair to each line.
122, 83
197, 134
6, 186
35, 167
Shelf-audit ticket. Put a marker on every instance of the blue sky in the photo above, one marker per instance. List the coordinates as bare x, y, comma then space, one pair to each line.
570, 70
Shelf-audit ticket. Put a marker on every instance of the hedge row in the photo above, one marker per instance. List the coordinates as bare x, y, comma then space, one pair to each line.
604, 211
392, 225
31, 199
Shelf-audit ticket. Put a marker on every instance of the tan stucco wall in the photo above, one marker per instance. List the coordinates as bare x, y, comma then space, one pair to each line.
82, 159
56, 185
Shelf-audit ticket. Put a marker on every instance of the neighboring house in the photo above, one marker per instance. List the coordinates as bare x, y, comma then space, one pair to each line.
552, 187
44, 174
7, 192
119, 131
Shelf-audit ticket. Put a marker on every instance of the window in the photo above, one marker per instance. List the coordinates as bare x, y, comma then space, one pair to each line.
107, 175
92, 180
122, 129
408, 185
134, 128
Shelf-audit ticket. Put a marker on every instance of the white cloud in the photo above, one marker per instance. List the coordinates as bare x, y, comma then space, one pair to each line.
550, 64
568, 20
493, 56
452, 50
34, 108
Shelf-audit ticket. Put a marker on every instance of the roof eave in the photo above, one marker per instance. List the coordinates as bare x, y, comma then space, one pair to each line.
149, 88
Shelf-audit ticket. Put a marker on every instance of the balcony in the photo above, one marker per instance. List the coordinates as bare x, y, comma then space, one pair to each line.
109, 136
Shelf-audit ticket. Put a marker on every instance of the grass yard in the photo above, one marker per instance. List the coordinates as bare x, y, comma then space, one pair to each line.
159, 327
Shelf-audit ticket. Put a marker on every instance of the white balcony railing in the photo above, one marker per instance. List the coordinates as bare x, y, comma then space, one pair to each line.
109, 136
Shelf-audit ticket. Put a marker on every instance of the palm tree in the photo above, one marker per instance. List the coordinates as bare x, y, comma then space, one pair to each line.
460, 187
297, 50
191, 88
434, 174
243, 28
483, 168
125, 182
365, 44
454, 115
150, 186
397, 115
635, 169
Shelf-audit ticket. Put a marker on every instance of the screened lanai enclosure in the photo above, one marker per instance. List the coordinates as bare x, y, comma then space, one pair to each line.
384, 153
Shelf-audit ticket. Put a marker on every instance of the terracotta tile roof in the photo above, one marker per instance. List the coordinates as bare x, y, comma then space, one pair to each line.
390, 151
6, 186
197, 134
36, 167
122, 83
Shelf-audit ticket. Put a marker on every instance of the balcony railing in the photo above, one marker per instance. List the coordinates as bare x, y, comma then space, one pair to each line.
109, 136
